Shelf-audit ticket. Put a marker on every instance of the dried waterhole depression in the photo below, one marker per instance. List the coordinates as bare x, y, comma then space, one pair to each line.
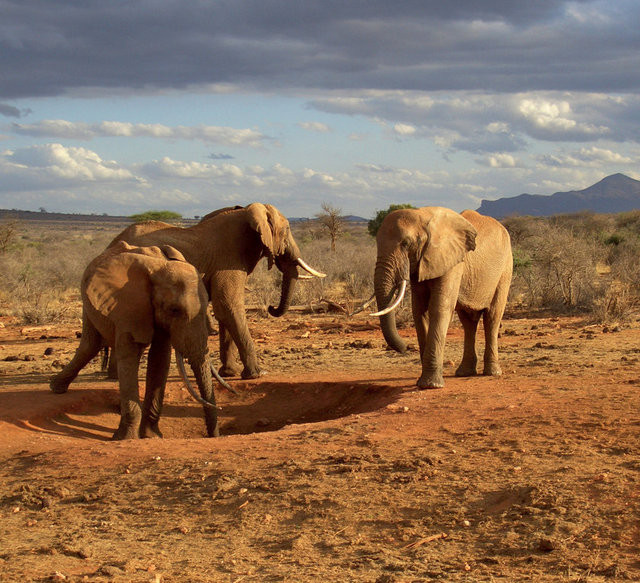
90, 409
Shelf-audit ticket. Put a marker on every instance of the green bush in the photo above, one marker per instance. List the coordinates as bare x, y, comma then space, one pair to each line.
166, 216
374, 224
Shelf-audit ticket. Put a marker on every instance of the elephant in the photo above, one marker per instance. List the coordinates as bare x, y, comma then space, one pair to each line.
134, 297
226, 246
460, 262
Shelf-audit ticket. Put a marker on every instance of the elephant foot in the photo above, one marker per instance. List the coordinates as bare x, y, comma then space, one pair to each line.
151, 431
431, 381
229, 371
249, 373
58, 386
492, 370
213, 431
466, 371
119, 435
125, 432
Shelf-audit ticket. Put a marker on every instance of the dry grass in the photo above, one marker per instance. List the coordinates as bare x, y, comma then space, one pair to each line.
576, 263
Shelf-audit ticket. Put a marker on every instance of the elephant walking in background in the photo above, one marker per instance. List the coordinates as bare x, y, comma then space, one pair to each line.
226, 246
133, 297
454, 261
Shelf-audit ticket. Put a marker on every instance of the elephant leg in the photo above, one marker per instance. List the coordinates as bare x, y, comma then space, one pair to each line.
90, 344
239, 331
229, 356
128, 355
491, 320
419, 306
469, 365
112, 367
444, 292
227, 299
158, 363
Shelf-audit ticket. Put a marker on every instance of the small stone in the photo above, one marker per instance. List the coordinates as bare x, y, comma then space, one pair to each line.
111, 571
546, 544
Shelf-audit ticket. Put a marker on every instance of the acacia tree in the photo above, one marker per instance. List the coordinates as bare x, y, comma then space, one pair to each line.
331, 220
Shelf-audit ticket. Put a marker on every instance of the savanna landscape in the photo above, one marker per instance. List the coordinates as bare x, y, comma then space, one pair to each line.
333, 465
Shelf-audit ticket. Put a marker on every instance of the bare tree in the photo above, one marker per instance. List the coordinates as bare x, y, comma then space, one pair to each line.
331, 220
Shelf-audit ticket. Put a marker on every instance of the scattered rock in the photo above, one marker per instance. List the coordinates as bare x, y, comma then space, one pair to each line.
546, 544
111, 571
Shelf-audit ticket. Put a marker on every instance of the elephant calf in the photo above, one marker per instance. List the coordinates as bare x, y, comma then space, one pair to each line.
134, 297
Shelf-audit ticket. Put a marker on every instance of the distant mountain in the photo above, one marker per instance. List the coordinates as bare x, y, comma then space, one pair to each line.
614, 194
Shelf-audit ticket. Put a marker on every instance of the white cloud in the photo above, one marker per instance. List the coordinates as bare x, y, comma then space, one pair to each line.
593, 157
500, 161
548, 118
403, 129
60, 129
314, 126
56, 164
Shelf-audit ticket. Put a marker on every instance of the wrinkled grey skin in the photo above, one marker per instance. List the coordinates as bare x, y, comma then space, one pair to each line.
225, 246
453, 261
134, 297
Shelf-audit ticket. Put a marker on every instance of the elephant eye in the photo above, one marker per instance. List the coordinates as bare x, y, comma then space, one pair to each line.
175, 311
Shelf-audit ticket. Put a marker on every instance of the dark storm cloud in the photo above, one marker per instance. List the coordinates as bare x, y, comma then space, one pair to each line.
52, 48
11, 111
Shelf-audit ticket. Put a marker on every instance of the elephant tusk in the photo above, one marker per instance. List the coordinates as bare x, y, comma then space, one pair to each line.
185, 378
309, 269
363, 306
304, 276
403, 287
224, 383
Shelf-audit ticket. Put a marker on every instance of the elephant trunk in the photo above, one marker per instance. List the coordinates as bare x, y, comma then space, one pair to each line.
202, 372
289, 278
385, 283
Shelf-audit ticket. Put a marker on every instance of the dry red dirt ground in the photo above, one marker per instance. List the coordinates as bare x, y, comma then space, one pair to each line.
332, 467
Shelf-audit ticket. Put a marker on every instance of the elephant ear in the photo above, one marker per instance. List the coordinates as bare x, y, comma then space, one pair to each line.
171, 253
119, 289
272, 227
449, 238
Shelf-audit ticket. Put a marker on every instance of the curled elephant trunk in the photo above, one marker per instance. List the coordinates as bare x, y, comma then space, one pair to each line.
384, 285
289, 277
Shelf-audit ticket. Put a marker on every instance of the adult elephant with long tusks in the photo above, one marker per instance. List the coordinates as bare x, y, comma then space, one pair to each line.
134, 297
453, 261
225, 246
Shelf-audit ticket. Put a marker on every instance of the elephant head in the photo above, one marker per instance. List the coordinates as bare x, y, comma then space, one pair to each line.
416, 244
279, 247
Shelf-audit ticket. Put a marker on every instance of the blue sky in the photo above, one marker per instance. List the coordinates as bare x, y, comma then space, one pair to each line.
119, 107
